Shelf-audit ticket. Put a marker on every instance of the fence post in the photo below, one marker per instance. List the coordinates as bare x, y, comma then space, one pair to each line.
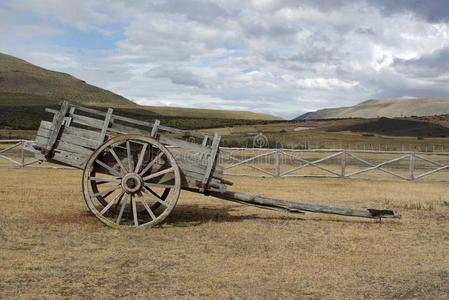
277, 163
411, 168
343, 163
22, 153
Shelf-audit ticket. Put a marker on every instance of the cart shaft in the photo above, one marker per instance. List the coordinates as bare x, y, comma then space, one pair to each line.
292, 206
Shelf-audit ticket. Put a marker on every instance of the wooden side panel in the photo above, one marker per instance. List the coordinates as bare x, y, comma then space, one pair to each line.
56, 125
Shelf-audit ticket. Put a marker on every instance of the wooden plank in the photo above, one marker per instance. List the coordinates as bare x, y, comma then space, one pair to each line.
119, 128
83, 133
205, 139
56, 127
75, 136
90, 110
196, 171
76, 140
87, 121
184, 144
212, 161
69, 147
70, 159
155, 128
41, 141
292, 206
107, 120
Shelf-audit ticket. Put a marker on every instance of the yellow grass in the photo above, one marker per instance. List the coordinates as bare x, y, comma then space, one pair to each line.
51, 247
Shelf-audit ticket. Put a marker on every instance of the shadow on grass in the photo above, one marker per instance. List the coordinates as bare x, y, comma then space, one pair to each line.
188, 215
194, 215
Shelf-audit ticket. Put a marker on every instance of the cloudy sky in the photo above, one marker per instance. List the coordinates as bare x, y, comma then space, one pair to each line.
280, 57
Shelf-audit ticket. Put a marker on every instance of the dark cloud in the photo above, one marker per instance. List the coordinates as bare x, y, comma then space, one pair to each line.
434, 11
279, 56
176, 76
427, 66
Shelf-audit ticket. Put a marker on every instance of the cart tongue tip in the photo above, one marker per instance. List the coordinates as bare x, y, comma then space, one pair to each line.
384, 213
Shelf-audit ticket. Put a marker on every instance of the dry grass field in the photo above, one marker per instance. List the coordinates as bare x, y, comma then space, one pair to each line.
51, 247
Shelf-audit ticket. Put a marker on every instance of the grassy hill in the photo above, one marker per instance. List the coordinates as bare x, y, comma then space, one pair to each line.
390, 108
24, 84
26, 89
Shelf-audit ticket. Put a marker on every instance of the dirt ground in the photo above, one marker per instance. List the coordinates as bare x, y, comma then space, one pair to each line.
52, 247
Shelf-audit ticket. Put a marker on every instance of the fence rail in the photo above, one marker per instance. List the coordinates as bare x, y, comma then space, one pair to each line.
341, 163
257, 162
12, 153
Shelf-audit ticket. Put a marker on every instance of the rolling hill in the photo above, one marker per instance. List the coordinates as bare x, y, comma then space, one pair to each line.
24, 84
26, 90
390, 108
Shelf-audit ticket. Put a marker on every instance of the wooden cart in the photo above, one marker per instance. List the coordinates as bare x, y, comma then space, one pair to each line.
134, 170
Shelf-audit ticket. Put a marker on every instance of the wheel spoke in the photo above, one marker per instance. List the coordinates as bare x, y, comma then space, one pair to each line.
104, 180
111, 171
154, 196
119, 161
160, 185
151, 164
120, 214
130, 158
134, 208
141, 156
107, 207
145, 204
157, 174
107, 192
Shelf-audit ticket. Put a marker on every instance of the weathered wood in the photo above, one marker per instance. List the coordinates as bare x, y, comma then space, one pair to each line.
211, 162
107, 120
87, 121
187, 165
69, 158
57, 123
292, 206
79, 141
155, 128
83, 133
69, 147
141, 123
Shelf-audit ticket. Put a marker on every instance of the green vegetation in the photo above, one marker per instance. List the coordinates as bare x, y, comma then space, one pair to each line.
25, 91
29, 84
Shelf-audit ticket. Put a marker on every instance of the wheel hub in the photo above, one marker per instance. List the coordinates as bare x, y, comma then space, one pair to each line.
132, 183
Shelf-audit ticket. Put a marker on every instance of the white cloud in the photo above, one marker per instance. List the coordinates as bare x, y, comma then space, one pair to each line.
267, 56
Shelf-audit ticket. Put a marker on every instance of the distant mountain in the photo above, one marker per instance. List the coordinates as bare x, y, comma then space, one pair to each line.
390, 108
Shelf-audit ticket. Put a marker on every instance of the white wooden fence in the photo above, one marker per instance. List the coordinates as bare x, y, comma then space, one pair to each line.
340, 163
258, 162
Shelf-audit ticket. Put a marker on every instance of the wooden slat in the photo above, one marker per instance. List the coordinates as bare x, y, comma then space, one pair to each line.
107, 120
56, 126
41, 141
183, 144
83, 133
155, 128
87, 121
71, 159
212, 160
76, 140
119, 128
69, 147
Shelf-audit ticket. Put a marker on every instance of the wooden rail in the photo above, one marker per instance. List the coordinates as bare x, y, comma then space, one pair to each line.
337, 163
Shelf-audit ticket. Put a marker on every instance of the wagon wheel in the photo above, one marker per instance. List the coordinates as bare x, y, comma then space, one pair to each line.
95, 189
131, 181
